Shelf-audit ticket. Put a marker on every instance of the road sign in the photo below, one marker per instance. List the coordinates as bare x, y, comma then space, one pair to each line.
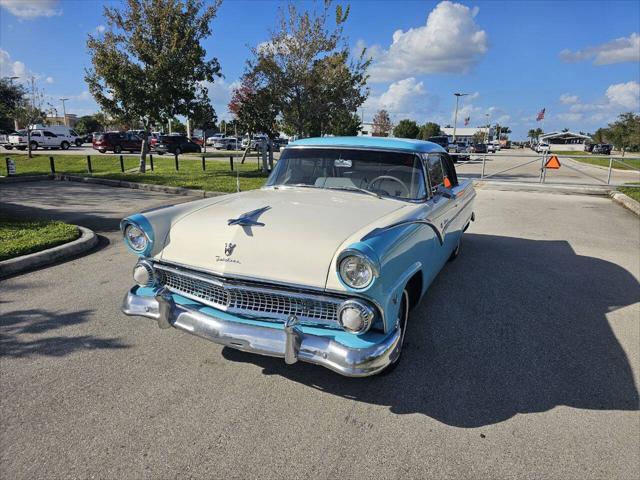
553, 163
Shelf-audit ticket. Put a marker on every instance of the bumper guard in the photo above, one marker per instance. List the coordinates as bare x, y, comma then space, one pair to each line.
289, 343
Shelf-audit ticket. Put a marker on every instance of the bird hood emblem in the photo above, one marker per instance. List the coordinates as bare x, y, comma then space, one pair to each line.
249, 219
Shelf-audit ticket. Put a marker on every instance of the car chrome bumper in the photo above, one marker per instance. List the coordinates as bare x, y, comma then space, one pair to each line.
289, 343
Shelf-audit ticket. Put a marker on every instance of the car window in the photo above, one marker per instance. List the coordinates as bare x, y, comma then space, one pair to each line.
435, 171
36, 134
49, 134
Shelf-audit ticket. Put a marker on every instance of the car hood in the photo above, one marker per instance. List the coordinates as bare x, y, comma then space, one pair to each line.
300, 232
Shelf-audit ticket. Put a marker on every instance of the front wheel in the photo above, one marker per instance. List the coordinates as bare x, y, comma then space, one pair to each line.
34, 145
8, 147
117, 149
78, 143
177, 151
403, 321
456, 251
64, 145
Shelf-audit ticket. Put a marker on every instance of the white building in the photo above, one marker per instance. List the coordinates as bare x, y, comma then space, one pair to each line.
465, 134
366, 129
564, 140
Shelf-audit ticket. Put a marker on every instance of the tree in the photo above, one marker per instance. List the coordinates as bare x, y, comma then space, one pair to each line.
600, 136
149, 65
625, 132
29, 110
428, 130
203, 116
87, 124
534, 133
346, 124
406, 129
255, 109
502, 132
11, 97
306, 70
382, 125
478, 137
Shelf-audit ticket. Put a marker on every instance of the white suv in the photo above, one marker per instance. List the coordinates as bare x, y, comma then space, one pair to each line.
39, 139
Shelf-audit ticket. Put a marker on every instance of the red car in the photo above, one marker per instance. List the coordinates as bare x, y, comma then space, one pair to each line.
117, 142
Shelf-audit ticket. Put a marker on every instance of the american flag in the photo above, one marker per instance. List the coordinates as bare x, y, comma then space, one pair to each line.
540, 115
466, 121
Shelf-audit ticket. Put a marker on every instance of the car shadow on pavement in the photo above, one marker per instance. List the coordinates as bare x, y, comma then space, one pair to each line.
512, 326
23, 333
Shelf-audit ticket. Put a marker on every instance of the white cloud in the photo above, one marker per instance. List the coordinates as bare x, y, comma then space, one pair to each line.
29, 9
568, 99
49, 80
449, 42
626, 95
101, 29
618, 50
10, 68
400, 98
570, 117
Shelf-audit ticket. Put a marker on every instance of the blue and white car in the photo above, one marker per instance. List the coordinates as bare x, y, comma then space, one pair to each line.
321, 265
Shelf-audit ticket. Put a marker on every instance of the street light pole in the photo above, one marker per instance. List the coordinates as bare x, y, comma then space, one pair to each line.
455, 118
64, 110
488, 126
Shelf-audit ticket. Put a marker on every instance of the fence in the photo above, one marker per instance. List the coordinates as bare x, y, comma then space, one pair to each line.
544, 168
108, 163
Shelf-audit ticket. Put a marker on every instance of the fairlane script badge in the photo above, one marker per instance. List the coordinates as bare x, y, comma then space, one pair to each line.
228, 251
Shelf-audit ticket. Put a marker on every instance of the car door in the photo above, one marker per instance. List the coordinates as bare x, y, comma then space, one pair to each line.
443, 208
50, 139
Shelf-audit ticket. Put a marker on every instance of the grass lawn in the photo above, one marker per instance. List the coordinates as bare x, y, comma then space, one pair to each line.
633, 192
20, 237
218, 176
628, 164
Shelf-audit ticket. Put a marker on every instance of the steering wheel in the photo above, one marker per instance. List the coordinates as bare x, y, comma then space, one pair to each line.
389, 177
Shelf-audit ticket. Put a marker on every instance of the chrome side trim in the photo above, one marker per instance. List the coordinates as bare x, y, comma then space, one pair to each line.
414, 221
291, 344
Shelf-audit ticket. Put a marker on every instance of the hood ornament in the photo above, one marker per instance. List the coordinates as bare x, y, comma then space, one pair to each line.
249, 219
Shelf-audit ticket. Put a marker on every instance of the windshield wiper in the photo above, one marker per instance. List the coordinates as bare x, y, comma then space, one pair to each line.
355, 189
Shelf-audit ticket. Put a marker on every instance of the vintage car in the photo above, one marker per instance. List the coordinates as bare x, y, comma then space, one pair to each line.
321, 265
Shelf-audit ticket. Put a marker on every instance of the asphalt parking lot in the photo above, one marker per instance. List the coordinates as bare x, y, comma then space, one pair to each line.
523, 361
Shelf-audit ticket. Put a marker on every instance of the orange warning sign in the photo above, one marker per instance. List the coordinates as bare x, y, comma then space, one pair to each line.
552, 163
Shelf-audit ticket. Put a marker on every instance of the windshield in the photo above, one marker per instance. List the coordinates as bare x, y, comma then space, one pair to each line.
393, 174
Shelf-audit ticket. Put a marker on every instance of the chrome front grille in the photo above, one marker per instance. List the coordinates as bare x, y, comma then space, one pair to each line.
248, 300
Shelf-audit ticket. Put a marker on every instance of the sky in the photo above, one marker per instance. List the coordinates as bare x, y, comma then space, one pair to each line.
580, 61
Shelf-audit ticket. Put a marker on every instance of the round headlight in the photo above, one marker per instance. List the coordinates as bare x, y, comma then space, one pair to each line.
355, 316
136, 238
356, 271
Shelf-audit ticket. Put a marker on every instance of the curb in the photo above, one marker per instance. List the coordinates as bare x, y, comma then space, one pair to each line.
86, 242
626, 201
25, 178
149, 187
603, 190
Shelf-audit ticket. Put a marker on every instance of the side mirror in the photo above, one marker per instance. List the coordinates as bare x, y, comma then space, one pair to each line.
445, 192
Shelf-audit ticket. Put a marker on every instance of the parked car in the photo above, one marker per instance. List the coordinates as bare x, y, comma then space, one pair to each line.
197, 140
279, 143
588, 147
479, 148
176, 144
39, 139
255, 142
441, 140
543, 147
602, 149
491, 148
62, 132
496, 145
463, 152
227, 143
213, 138
153, 139
321, 265
4, 137
117, 142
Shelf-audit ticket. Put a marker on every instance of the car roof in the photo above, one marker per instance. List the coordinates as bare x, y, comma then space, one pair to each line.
380, 143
